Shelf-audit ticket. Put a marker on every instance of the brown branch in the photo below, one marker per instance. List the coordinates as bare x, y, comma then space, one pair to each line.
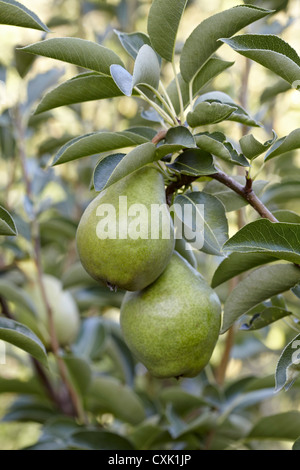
159, 136
245, 192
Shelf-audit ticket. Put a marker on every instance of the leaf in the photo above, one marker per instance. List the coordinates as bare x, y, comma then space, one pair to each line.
231, 200
24, 387
132, 42
17, 296
262, 283
80, 52
204, 40
279, 193
264, 318
29, 409
7, 225
194, 162
104, 397
84, 87
92, 339
217, 144
270, 51
99, 440
209, 113
96, 143
16, 14
288, 366
238, 263
296, 445
282, 426
177, 138
181, 401
281, 86
122, 78
23, 61
209, 71
22, 337
252, 148
163, 22
79, 372
285, 144
239, 114
206, 218
280, 240
287, 216
115, 167
38, 85
146, 68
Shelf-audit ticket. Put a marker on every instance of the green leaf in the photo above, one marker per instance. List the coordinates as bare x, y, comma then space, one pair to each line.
280, 240
288, 366
204, 40
252, 148
15, 14
92, 339
24, 387
115, 167
281, 86
282, 426
7, 225
23, 61
132, 42
264, 318
108, 395
217, 144
17, 296
231, 200
79, 372
238, 263
22, 337
86, 54
287, 216
96, 143
84, 87
239, 114
146, 68
284, 145
194, 162
29, 409
182, 401
177, 138
209, 71
296, 445
270, 51
163, 22
209, 113
122, 78
210, 222
279, 193
262, 283
99, 440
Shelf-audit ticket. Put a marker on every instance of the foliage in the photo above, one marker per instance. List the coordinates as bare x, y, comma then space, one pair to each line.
199, 133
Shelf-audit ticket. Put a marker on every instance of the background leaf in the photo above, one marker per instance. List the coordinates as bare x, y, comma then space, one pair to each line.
19, 335
7, 224
282, 426
16, 14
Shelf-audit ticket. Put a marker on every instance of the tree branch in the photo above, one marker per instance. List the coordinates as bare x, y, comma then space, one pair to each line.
245, 192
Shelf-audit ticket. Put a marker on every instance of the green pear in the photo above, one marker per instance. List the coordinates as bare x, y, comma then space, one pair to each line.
123, 251
64, 309
183, 248
172, 326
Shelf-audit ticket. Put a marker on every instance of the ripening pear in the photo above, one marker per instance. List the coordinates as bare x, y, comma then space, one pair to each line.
125, 237
172, 326
65, 312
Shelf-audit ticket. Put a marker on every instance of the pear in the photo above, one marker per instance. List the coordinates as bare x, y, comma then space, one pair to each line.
65, 312
134, 247
183, 248
172, 326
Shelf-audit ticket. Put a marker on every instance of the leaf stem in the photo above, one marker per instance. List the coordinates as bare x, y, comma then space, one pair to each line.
157, 108
182, 118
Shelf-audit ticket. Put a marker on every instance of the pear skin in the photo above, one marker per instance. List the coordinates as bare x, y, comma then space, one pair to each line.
127, 263
173, 325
